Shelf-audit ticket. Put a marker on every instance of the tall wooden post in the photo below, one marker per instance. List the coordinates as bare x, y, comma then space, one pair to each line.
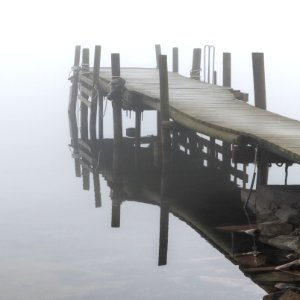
261, 102
166, 157
227, 83
175, 60
196, 65
117, 149
85, 65
227, 69
158, 117
72, 108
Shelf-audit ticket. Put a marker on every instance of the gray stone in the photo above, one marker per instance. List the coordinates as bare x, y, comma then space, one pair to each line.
285, 242
271, 229
285, 212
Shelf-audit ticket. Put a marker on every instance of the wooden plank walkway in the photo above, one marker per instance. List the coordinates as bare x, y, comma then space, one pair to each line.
212, 110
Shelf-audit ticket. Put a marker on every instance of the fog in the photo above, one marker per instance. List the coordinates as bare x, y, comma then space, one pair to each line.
49, 247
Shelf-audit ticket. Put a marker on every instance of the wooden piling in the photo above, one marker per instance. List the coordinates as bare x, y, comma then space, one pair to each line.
166, 154
261, 102
95, 93
117, 120
138, 114
227, 83
196, 65
84, 118
83, 107
175, 60
259, 80
115, 208
158, 53
72, 108
227, 69
158, 117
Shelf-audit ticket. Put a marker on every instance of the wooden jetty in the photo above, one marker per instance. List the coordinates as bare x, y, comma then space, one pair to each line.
213, 125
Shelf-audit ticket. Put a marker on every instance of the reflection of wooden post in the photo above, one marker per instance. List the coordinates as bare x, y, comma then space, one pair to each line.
195, 72
115, 213
72, 109
163, 234
93, 115
166, 154
260, 101
227, 83
84, 118
137, 142
97, 190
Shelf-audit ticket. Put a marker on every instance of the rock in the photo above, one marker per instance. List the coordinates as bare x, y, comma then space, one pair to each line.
285, 242
296, 232
294, 219
261, 218
289, 295
285, 212
274, 228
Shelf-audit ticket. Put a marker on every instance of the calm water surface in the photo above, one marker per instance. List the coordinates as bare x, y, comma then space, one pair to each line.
55, 244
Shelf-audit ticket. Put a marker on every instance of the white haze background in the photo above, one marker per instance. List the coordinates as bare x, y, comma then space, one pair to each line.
49, 236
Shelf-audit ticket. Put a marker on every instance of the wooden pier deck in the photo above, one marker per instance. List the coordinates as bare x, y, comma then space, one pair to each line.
212, 110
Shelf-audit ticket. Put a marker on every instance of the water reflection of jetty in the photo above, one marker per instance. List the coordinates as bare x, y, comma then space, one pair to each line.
196, 177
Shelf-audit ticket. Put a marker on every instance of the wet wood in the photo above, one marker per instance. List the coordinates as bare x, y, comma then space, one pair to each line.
196, 64
175, 59
205, 108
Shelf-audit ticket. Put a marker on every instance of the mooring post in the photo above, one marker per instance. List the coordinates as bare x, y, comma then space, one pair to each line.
227, 83
116, 98
166, 157
72, 108
95, 93
261, 102
157, 153
137, 143
175, 60
85, 66
227, 69
196, 65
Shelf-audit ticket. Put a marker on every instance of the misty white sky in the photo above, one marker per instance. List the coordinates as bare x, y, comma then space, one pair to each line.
44, 33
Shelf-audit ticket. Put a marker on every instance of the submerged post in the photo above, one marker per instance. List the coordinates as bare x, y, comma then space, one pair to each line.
166, 153
261, 102
196, 65
175, 60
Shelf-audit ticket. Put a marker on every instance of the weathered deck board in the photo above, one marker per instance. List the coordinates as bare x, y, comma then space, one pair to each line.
213, 110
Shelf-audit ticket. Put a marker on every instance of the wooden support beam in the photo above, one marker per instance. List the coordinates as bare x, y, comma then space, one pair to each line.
245, 155
260, 101
175, 60
137, 143
196, 66
166, 154
117, 120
